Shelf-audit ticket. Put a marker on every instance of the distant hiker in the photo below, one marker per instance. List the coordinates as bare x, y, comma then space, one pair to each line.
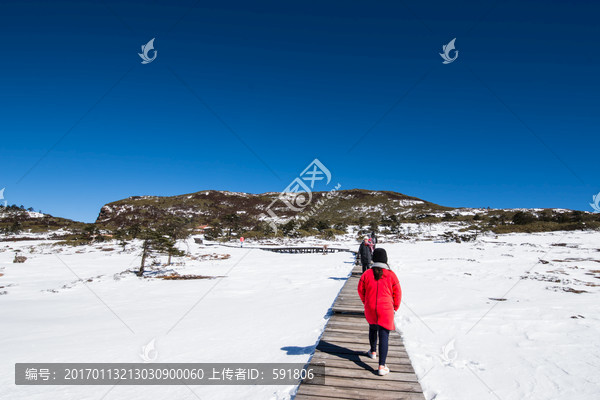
371, 244
373, 238
380, 292
242, 241
365, 253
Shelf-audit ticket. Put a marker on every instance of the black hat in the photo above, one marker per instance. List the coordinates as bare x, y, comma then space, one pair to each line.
379, 255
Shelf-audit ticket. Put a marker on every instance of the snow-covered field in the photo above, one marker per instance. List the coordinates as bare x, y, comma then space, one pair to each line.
270, 308
541, 342
502, 317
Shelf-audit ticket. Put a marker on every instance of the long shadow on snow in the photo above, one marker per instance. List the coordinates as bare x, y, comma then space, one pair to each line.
297, 350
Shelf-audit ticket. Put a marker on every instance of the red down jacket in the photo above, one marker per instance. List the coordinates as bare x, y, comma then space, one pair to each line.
381, 298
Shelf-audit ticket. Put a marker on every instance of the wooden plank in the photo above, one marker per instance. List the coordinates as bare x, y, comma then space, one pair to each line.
358, 349
353, 298
349, 298
378, 382
345, 299
358, 341
361, 363
359, 332
338, 352
341, 318
324, 392
348, 319
343, 309
349, 306
360, 335
351, 303
309, 397
359, 328
348, 311
321, 356
339, 348
349, 295
350, 291
370, 373
360, 325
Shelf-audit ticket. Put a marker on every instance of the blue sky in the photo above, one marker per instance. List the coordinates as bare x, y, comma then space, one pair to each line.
243, 95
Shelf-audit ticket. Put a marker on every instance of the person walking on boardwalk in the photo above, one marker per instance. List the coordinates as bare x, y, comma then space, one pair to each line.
371, 244
373, 239
365, 253
380, 292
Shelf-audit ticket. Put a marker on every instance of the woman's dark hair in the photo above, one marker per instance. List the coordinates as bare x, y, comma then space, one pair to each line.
377, 272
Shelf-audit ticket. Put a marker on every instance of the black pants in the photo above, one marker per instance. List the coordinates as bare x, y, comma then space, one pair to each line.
365, 267
384, 336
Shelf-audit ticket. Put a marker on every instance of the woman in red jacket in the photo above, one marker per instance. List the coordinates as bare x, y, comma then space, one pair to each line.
380, 292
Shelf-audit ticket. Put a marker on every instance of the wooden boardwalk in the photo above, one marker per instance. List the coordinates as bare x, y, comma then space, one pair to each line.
290, 250
297, 250
348, 373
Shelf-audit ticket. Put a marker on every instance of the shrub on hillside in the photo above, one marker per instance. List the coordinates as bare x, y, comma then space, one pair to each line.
523, 218
330, 233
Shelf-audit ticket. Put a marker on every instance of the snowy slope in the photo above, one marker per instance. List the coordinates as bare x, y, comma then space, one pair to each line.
269, 308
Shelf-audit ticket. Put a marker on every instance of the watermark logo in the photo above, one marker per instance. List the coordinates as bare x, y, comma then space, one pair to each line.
595, 205
449, 353
149, 352
298, 194
447, 48
146, 48
317, 173
2, 197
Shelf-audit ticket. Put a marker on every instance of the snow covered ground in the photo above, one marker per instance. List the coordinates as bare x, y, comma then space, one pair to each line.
539, 339
270, 308
500, 318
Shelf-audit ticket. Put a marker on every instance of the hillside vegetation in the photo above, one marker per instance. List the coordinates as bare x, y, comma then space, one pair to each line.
222, 215
230, 214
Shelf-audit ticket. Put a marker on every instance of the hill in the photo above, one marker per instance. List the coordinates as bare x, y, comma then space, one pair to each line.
230, 213
15, 220
222, 215
213, 207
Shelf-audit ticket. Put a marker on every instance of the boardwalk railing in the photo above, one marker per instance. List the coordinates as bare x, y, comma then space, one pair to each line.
349, 374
